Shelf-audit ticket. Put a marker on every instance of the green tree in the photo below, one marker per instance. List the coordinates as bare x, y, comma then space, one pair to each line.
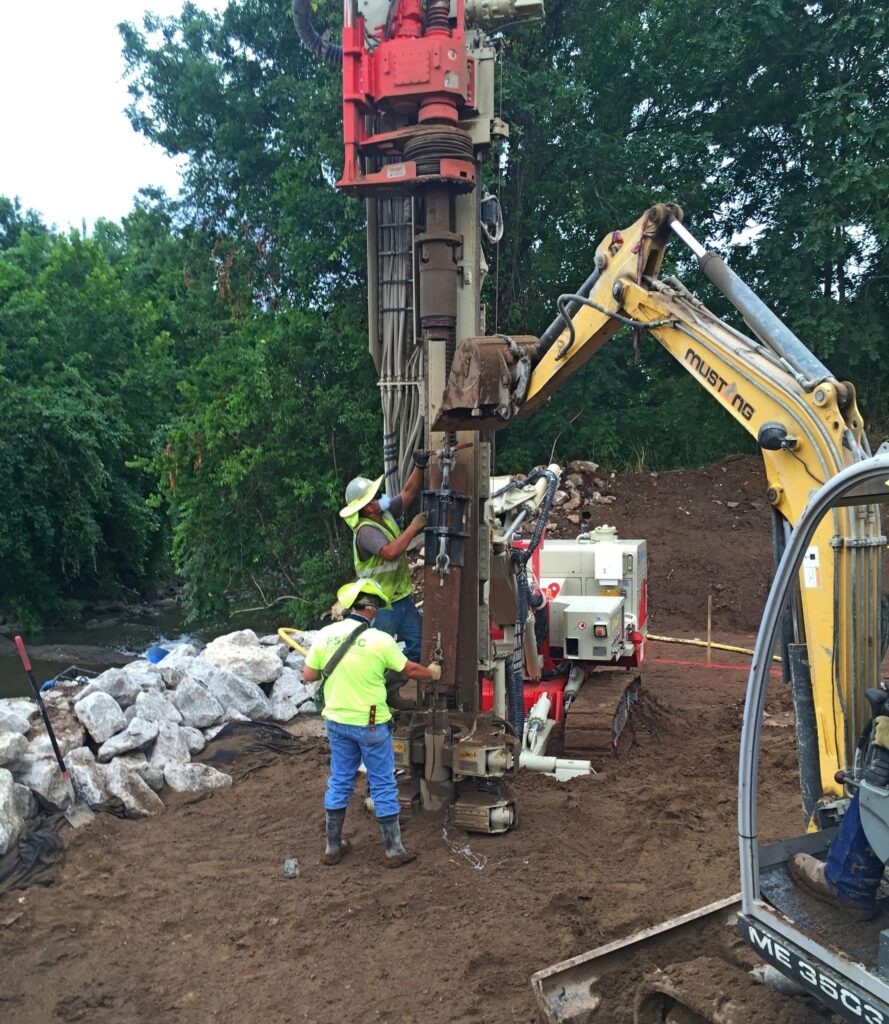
281, 412
71, 518
94, 335
766, 121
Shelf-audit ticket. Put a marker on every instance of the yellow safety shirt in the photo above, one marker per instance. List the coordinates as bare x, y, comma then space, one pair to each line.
358, 682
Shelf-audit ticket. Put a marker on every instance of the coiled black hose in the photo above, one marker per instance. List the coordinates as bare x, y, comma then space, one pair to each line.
520, 557
308, 34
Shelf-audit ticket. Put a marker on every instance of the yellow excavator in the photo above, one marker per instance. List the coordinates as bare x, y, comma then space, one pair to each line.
826, 609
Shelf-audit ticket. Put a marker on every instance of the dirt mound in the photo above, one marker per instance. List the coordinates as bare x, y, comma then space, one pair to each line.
188, 917
708, 530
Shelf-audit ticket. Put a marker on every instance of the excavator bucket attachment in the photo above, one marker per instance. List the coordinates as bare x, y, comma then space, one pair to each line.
482, 386
601, 985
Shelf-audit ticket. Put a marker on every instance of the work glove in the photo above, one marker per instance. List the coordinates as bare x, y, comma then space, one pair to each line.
881, 731
435, 669
418, 523
421, 458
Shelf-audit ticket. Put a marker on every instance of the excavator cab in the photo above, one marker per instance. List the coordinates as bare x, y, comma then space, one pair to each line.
845, 964
795, 947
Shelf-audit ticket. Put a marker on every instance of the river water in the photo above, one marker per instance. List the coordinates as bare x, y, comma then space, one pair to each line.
131, 639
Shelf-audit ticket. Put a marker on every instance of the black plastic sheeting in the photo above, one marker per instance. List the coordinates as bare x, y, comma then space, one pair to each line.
38, 858
242, 748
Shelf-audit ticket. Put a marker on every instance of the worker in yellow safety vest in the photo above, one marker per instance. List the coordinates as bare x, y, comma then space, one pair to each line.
378, 549
350, 659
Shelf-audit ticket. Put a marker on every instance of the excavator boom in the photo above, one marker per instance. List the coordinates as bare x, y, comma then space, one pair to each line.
806, 423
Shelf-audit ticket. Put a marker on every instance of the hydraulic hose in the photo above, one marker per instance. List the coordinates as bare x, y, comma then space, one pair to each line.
520, 558
552, 332
332, 53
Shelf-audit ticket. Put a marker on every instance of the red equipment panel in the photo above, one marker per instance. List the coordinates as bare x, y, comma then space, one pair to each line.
553, 688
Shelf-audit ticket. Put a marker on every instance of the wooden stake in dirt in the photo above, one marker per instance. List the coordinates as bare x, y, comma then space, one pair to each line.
709, 624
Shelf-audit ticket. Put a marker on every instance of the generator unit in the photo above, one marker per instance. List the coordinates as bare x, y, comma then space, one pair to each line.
596, 590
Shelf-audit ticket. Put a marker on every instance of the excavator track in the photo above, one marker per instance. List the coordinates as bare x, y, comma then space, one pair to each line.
708, 990
598, 720
692, 969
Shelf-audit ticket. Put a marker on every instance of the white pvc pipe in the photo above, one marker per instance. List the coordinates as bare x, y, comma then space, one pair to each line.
500, 688
560, 767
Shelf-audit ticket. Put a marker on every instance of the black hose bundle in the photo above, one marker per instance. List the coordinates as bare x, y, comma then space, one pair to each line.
308, 34
520, 557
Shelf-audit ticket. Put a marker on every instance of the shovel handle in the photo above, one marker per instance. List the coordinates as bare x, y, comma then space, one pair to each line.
23, 654
26, 662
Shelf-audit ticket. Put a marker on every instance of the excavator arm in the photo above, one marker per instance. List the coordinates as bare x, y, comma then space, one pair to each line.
806, 423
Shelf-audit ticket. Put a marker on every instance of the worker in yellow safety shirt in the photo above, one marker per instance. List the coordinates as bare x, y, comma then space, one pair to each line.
351, 658
378, 549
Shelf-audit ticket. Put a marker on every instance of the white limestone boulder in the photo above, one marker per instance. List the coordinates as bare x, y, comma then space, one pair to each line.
194, 739
25, 801
138, 798
195, 778
197, 707
12, 720
117, 684
44, 777
137, 762
101, 715
242, 655
145, 675
274, 643
296, 662
87, 775
233, 692
125, 684
137, 735
157, 707
23, 706
176, 665
12, 747
170, 747
12, 821
287, 695
296, 659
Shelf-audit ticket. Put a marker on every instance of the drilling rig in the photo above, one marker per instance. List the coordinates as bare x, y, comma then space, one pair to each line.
418, 122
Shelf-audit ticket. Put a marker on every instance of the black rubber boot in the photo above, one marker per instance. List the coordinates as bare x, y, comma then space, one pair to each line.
396, 854
333, 829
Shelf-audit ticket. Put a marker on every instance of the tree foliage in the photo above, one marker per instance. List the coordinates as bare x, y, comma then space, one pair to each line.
195, 381
767, 122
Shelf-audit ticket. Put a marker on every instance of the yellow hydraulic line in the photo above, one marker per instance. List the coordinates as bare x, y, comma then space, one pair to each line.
703, 643
287, 633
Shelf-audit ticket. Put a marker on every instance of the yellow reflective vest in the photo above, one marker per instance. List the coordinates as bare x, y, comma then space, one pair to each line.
394, 577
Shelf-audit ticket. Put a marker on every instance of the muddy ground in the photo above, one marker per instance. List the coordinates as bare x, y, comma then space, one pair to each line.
188, 918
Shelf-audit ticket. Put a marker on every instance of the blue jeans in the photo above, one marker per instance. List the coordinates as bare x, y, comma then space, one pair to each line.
853, 869
403, 621
349, 746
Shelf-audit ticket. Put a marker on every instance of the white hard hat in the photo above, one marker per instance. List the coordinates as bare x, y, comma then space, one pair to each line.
359, 492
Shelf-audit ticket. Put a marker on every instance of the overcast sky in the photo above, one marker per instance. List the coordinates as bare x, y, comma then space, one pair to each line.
66, 147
